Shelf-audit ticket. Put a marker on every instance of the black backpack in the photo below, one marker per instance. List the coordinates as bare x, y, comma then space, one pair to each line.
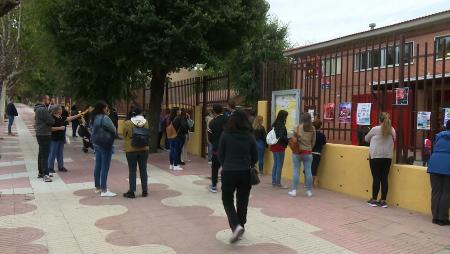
140, 137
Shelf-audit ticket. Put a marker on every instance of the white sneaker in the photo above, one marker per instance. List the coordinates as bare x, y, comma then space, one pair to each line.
309, 193
177, 168
292, 193
108, 194
171, 167
237, 233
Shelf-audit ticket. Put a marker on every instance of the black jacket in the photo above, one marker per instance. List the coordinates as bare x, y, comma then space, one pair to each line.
215, 130
181, 125
237, 151
11, 110
281, 133
260, 133
43, 120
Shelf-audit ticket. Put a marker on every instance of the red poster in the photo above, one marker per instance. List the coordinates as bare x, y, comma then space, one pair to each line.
328, 112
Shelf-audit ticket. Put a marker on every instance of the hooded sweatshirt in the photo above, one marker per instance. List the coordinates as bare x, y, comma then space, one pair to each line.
439, 162
237, 151
135, 122
43, 120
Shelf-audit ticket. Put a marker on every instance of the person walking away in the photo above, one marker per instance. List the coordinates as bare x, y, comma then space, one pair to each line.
11, 112
75, 123
175, 141
43, 124
208, 120
237, 152
306, 137
103, 136
279, 148
260, 135
439, 170
321, 141
136, 136
215, 131
58, 138
181, 125
381, 139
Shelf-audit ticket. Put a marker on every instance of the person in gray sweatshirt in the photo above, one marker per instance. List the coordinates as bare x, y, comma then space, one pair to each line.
43, 127
237, 154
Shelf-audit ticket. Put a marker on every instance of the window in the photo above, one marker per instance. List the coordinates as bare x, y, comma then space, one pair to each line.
331, 66
381, 58
443, 43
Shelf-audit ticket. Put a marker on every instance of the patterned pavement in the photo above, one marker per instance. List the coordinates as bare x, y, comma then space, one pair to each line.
180, 215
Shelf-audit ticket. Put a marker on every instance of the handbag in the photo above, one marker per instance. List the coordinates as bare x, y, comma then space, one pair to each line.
102, 137
271, 138
171, 132
254, 178
294, 144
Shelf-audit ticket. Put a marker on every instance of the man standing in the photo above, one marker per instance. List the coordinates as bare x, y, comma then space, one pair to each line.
43, 126
214, 132
11, 112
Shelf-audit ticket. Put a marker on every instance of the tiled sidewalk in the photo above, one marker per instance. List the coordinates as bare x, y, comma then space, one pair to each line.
180, 215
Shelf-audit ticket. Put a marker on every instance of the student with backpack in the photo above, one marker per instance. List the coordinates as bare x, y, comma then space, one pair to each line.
278, 147
136, 134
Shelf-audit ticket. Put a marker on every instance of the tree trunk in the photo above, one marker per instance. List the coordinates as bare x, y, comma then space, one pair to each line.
156, 97
2, 102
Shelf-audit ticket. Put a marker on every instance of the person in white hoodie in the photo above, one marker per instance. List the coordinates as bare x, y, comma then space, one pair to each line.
136, 136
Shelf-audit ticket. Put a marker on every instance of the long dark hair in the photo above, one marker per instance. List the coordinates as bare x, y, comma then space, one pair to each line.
238, 122
281, 118
173, 113
99, 109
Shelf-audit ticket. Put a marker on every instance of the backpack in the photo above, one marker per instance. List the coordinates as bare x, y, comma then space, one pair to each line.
271, 137
171, 132
140, 137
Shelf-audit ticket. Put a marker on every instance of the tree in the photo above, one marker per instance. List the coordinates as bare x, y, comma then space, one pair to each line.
7, 5
11, 63
109, 45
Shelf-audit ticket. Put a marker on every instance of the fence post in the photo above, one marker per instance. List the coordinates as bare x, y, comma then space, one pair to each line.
402, 153
167, 94
204, 112
228, 86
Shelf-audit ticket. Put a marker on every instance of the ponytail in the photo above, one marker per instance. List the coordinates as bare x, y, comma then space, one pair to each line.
386, 126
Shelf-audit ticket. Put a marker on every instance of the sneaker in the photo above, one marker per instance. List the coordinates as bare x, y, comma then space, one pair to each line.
129, 194
63, 170
177, 168
51, 171
383, 204
47, 179
237, 233
183, 163
282, 186
292, 193
372, 202
108, 194
441, 222
171, 167
212, 189
144, 194
40, 175
309, 193
97, 191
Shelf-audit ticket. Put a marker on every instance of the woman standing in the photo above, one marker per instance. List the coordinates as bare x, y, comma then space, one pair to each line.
279, 148
439, 169
58, 138
76, 123
381, 139
175, 142
136, 155
321, 140
260, 135
237, 155
103, 137
306, 137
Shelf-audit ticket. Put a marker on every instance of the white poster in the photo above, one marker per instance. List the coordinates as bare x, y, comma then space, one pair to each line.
363, 112
446, 115
423, 120
311, 112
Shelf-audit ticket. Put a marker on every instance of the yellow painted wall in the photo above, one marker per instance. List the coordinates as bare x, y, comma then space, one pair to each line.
194, 145
345, 169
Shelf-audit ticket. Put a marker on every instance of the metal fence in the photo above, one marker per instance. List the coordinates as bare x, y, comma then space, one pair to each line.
370, 72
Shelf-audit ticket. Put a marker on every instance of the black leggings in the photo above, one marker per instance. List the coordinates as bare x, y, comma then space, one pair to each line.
380, 171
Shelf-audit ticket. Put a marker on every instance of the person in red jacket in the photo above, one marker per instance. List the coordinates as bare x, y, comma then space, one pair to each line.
279, 148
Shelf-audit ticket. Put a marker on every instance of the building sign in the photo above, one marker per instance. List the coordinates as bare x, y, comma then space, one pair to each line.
363, 112
423, 120
345, 112
328, 112
326, 86
401, 96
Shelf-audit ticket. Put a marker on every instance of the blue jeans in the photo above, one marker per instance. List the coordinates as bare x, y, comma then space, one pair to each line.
210, 151
278, 161
261, 144
307, 161
56, 152
102, 163
10, 123
175, 150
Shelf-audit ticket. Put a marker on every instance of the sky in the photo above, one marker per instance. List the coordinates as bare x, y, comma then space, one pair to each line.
319, 20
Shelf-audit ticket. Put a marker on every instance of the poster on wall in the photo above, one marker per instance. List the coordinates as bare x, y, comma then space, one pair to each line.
311, 112
288, 100
446, 115
328, 114
345, 112
401, 96
363, 111
423, 120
